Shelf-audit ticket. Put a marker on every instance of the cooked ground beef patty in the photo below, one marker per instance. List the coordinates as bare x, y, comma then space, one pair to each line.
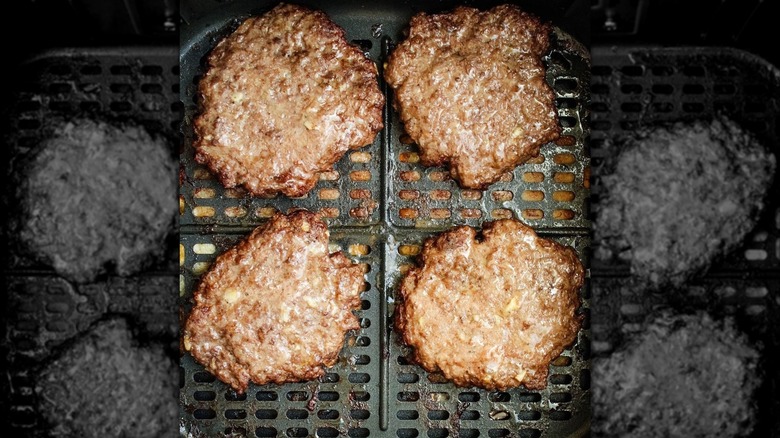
97, 198
677, 197
275, 307
685, 376
107, 385
471, 91
283, 98
492, 312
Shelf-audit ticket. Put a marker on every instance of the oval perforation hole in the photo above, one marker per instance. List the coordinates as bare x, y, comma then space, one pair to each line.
530, 433
407, 415
468, 397
529, 415
328, 414
152, 89
204, 414
91, 70
121, 106
631, 107
438, 433
567, 122
566, 85
359, 378
121, 70
599, 89
662, 89
560, 60
693, 70
297, 414
499, 396
662, 107
560, 397
328, 396
498, 433
235, 414
267, 396
633, 70
566, 103
266, 414
693, 89
330, 378
360, 396
360, 359
438, 415
599, 107
631, 89
360, 432
60, 88
560, 379
408, 378
359, 414
469, 415
203, 377
407, 433
408, 396
204, 395
121, 88
264, 432
693, 107
327, 432
297, 432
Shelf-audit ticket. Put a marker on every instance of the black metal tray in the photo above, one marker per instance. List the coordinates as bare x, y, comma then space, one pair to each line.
41, 311
640, 86
380, 204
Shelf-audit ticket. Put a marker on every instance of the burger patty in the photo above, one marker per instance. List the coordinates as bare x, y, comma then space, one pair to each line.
275, 307
97, 198
679, 196
681, 376
492, 312
471, 91
283, 98
106, 385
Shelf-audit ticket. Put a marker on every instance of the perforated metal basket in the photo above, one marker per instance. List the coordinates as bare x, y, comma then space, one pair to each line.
634, 87
381, 204
41, 311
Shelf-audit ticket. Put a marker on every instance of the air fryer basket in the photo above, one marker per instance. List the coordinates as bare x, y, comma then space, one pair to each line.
634, 87
381, 204
42, 311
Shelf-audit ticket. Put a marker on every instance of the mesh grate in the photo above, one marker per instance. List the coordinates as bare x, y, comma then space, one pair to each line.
368, 203
637, 87
44, 311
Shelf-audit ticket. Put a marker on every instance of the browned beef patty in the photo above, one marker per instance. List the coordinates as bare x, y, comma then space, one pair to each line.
471, 91
284, 97
679, 196
682, 376
108, 385
275, 307
492, 312
97, 198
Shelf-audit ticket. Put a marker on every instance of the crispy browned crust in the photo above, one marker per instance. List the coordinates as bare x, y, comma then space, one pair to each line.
284, 97
491, 313
275, 307
471, 91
